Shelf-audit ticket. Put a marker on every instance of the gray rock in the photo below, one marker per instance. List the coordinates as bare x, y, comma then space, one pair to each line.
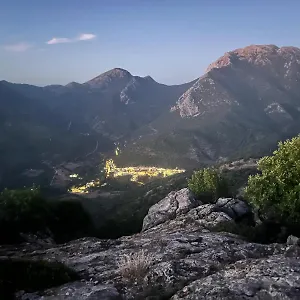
178, 257
77, 291
234, 208
174, 204
276, 277
293, 240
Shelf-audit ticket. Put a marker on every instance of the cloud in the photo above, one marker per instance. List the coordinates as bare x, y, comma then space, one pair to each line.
55, 40
19, 47
86, 37
81, 37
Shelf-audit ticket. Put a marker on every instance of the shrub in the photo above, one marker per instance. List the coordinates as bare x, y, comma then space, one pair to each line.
263, 233
208, 185
26, 211
276, 191
135, 266
69, 221
31, 275
22, 210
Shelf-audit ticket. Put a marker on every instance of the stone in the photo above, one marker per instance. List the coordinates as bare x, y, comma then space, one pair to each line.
174, 204
293, 240
234, 208
77, 291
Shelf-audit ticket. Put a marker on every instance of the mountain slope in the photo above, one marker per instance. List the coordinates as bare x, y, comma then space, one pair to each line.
34, 137
57, 124
245, 102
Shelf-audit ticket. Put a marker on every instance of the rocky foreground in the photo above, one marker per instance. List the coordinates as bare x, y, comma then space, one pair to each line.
176, 256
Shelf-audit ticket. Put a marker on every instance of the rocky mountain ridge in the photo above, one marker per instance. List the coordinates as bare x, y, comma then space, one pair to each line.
248, 97
177, 256
246, 102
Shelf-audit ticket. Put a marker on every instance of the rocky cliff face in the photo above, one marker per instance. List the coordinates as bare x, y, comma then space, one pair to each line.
246, 100
177, 256
268, 72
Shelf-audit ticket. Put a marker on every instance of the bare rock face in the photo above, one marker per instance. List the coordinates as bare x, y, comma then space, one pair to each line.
182, 206
174, 204
273, 278
177, 257
268, 72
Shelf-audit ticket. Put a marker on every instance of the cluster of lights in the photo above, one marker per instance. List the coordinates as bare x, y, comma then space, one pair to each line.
84, 189
136, 174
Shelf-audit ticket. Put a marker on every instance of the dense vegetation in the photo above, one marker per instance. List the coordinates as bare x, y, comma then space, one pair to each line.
208, 185
30, 275
26, 211
275, 192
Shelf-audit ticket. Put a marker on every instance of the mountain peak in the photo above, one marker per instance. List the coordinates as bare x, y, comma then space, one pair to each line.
116, 74
73, 84
255, 54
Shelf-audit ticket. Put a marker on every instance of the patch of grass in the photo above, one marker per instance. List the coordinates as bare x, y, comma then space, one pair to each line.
134, 267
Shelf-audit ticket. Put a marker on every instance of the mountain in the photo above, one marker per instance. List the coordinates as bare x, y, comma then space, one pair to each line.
34, 139
245, 102
68, 123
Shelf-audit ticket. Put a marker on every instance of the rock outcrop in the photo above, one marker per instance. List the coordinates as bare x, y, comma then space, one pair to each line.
176, 257
175, 204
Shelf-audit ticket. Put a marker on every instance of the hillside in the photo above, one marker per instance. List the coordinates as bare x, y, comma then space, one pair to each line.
59, 127
245, 102
34, 139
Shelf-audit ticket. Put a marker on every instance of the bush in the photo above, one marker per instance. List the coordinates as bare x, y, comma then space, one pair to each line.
135, 266
69, 221
22, 210
276, 191
263, 233
31, 275
208, 185
26, 211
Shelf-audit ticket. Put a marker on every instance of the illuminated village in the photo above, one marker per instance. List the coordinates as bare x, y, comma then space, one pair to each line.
138, 175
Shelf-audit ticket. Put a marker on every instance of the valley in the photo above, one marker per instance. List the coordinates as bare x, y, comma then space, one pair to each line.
139, 175
244, 103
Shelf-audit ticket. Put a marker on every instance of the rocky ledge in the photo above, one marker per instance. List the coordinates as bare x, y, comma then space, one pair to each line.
177, 256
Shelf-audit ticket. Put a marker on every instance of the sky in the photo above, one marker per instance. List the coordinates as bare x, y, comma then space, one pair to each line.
55, 42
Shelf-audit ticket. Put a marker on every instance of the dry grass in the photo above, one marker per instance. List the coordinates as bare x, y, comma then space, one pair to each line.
133, 267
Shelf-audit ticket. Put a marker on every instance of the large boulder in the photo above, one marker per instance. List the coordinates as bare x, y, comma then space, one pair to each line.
173, 205
234, 208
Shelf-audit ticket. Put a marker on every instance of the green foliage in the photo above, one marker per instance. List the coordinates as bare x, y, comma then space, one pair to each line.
208, 184
31, 275
26, 211
276, 191
69, 221
22, 210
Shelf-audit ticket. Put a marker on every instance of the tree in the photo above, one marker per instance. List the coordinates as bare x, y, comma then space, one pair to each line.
208, 185
276, 191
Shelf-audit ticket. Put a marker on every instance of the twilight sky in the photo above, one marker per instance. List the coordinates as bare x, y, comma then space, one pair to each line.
58, 41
